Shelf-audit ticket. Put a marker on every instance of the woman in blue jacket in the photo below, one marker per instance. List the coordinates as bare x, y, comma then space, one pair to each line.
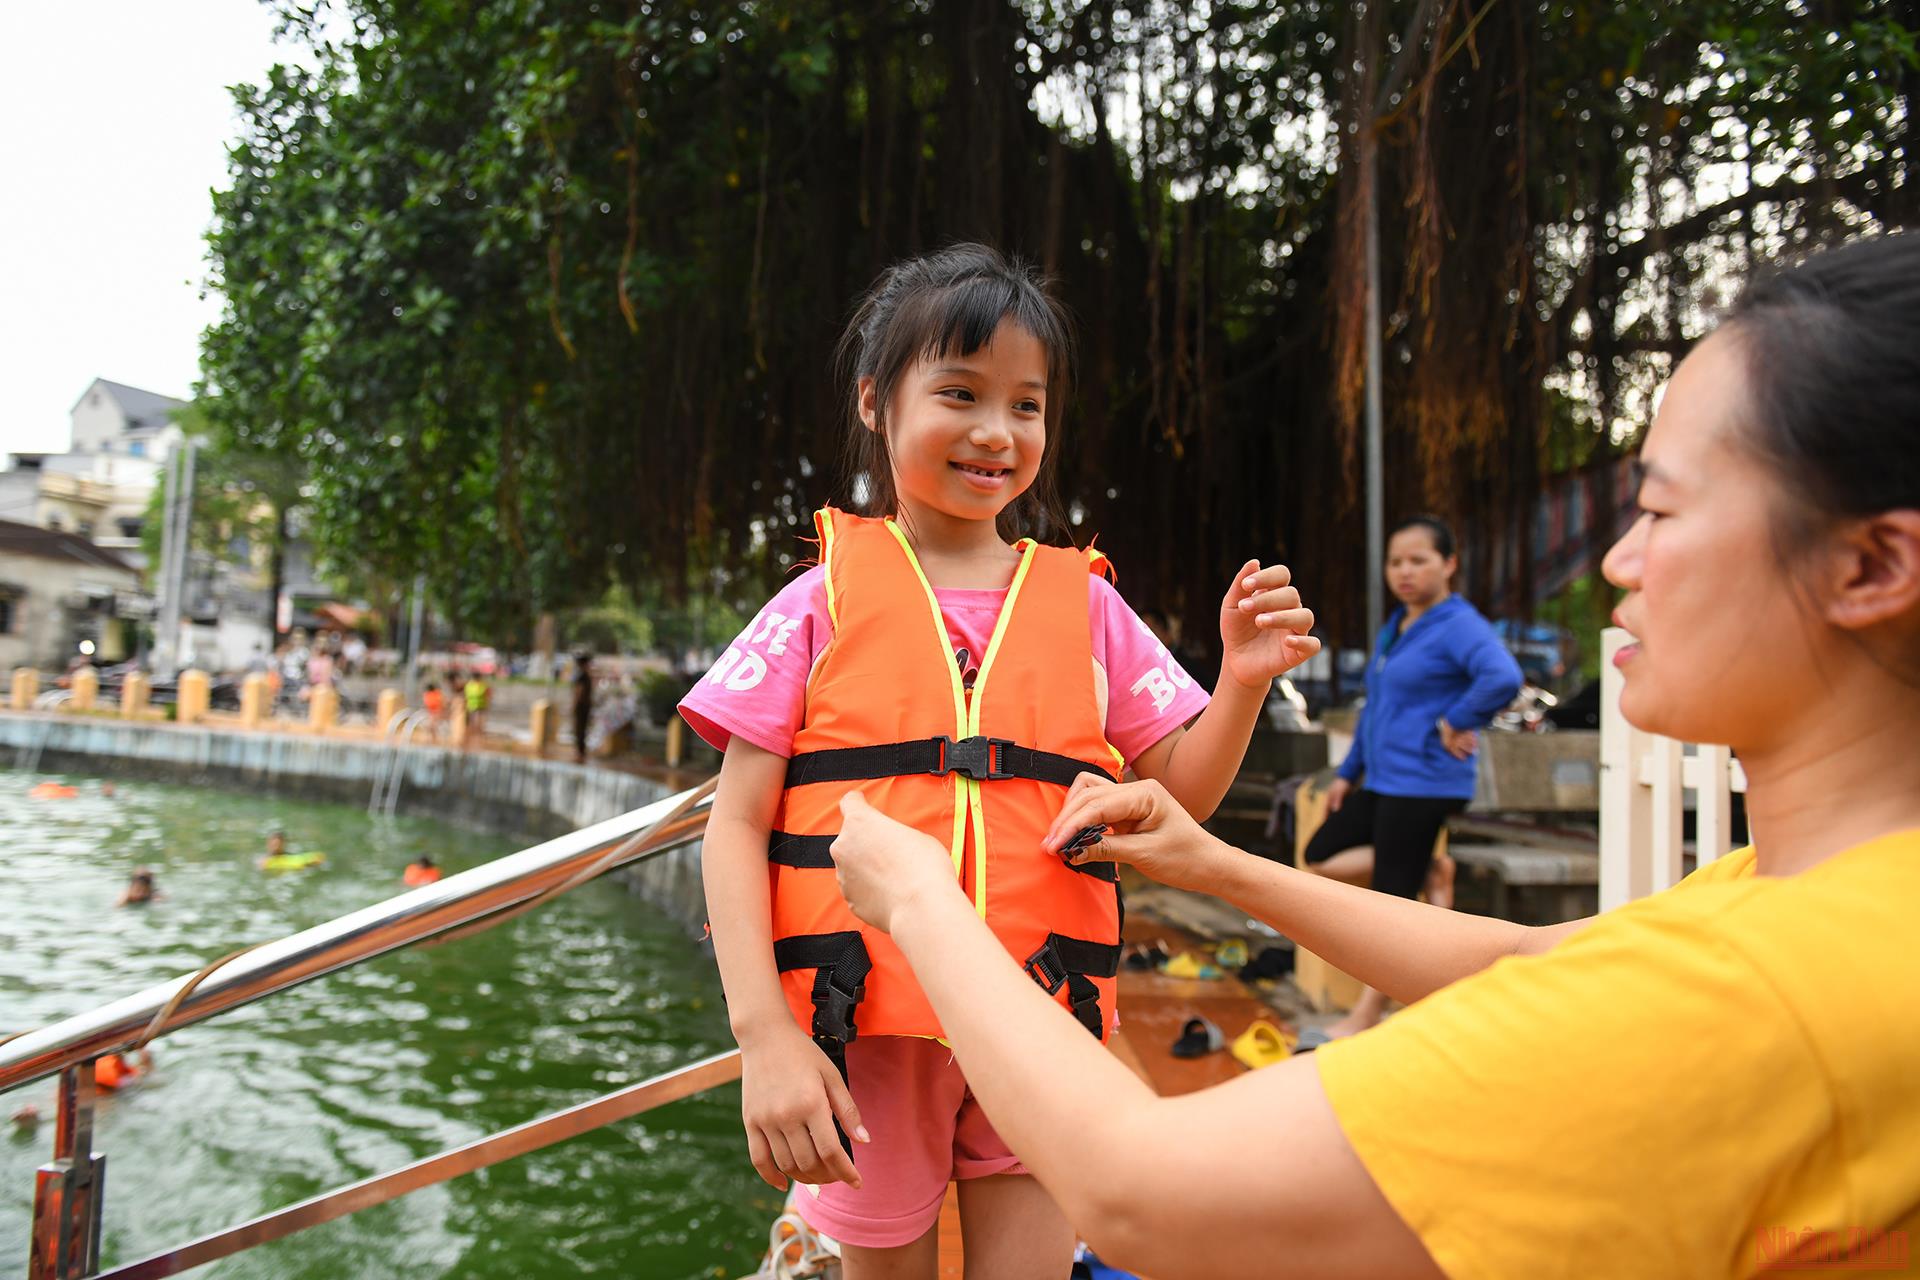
1437, 676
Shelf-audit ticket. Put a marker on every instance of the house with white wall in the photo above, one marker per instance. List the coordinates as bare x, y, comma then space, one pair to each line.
59, 593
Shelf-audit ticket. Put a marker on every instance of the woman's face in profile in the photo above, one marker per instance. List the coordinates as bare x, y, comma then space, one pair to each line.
1725, 648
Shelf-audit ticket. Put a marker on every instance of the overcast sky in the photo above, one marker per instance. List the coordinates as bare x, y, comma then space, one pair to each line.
114, 120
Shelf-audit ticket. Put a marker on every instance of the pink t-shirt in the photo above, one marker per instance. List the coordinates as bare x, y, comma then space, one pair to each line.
758, 688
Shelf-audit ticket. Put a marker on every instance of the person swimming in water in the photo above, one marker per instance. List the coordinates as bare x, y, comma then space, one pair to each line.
139, 889
276, 858
276, 848
420, 871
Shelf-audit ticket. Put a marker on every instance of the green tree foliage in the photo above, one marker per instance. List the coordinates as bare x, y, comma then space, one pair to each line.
542, 293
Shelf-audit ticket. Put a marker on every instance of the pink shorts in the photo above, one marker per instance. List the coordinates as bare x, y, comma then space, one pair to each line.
928, 1130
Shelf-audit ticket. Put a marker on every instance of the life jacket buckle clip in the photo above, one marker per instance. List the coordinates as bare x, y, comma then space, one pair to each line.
1044, 967
981, 758
833, 1009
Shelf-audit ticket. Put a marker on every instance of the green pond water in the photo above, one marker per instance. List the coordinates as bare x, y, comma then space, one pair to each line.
369, 1068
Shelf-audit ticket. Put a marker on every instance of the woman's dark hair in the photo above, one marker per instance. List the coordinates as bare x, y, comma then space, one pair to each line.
1832, 349
1442, 535
950, 303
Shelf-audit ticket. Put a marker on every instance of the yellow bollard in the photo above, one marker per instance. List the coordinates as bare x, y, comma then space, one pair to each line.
196, 695
26, 687
676, 741
256, 700
389, 706
86, 689
542, 726
133, 696
324, 710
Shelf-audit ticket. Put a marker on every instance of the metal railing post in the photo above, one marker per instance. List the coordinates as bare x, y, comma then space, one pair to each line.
68, 1189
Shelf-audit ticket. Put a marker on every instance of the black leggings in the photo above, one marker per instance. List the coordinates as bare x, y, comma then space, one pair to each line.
1401, 830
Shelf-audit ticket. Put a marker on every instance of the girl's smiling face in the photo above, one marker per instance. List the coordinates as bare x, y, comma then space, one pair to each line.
966, 433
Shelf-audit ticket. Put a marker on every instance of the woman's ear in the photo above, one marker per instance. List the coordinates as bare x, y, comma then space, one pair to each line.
868, 405
1876, 571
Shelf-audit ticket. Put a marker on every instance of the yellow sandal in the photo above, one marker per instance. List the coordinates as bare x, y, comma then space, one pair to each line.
1261, 1045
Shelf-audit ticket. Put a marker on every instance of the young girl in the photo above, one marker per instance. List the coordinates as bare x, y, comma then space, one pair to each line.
960, 676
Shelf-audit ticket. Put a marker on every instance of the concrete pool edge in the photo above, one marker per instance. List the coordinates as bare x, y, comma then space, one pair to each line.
520, 796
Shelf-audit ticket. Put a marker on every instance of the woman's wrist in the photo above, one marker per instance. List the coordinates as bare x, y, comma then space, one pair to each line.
932, 906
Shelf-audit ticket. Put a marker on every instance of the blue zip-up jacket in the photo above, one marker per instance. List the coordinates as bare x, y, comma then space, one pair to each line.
1448, 664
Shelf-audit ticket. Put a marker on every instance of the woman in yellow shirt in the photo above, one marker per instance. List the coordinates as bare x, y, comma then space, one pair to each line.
1713, 1081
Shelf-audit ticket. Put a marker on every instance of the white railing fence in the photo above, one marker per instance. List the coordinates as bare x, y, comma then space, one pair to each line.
1644, 781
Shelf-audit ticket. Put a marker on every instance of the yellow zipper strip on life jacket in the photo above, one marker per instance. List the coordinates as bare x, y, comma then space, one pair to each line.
957, 850
823, 521
973, 727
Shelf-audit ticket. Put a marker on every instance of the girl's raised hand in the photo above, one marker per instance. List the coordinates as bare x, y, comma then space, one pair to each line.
1263, 626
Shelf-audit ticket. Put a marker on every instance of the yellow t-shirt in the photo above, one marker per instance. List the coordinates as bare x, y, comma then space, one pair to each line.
1683, 1088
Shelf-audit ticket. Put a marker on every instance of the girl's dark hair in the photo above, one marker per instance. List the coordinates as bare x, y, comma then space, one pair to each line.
1442, 535
1832, 349
950, 303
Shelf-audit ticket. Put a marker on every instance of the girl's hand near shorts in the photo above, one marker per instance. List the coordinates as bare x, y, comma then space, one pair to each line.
789, 1096
1147, 829
1263, 626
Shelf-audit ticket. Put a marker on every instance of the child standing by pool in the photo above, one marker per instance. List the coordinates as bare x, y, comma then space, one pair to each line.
941, 661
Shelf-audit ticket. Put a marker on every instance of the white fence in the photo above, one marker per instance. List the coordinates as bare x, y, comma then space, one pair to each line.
1644, 781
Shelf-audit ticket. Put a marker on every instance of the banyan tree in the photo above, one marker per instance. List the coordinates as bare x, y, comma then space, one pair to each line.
541, 294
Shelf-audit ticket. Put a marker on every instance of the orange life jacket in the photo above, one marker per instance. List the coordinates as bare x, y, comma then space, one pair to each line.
416, 875
112, 1071
983, 771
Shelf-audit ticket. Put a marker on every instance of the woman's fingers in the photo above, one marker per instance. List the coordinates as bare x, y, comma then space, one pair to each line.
1131, 803
1058, 833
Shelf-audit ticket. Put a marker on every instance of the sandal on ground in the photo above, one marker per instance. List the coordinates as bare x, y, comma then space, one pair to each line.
1261, 1045
1145, 955
1189, 964
1198, 1039
1230, 954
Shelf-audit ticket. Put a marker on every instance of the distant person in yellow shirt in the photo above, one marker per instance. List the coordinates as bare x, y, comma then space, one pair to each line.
1713, 1081
479, 696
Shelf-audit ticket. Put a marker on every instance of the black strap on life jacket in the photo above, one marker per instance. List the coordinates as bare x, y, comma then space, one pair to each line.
809, 853
815, 853
981, 758
841, 964
1073, 963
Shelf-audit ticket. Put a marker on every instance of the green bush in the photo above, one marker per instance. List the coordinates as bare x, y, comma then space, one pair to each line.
660, 692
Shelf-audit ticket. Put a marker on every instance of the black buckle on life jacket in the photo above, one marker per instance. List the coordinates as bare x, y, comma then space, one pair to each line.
1046, 968
981, 758
1084, 999
833, 1007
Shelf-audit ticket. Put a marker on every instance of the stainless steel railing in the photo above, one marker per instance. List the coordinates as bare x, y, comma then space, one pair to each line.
66, 1229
